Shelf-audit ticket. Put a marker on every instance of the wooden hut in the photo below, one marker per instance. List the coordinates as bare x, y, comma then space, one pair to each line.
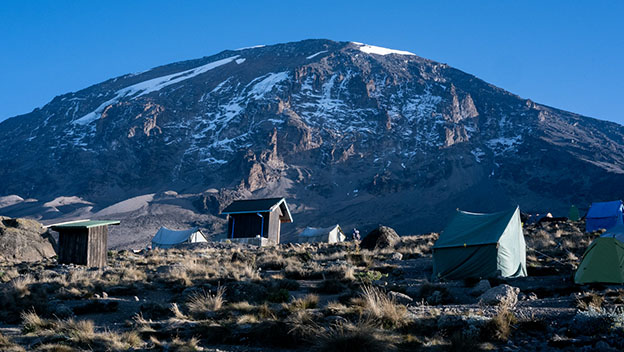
257, 218
83, 242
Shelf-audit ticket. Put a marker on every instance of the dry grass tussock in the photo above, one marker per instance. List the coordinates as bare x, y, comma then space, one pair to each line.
361, 337
501, 325
203, 302
176, 344
378, 306
79, 333
7, 345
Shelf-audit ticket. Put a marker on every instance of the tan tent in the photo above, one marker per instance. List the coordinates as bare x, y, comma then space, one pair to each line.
330, 234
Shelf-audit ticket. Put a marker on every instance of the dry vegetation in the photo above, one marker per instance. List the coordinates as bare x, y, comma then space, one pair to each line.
302, 297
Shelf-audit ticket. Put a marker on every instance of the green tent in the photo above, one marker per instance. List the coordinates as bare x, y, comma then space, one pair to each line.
477, 245
573, 214
603, 260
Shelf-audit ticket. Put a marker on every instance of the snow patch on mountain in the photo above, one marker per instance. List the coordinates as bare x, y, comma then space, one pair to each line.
149, 86
250, 47
371, 49
503, 145
315, 55
267, 83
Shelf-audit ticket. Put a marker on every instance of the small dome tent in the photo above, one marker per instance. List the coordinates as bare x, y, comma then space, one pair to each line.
330, 234
604, 215
167, 238
477, 245
603, 260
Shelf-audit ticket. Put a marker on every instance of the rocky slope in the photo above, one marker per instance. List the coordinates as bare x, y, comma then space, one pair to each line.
341, 129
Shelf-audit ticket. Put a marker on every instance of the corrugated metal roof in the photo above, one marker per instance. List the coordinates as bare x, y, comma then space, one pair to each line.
251, 205
85, 224
258, 206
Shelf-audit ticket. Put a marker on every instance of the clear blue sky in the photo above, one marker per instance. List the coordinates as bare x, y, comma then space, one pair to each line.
567, 54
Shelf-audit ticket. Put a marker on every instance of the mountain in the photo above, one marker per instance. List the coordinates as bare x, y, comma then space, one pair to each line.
349, 133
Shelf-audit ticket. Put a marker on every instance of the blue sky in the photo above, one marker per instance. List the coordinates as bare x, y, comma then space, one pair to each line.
566, 54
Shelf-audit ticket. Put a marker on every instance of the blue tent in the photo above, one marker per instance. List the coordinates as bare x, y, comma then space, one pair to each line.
604, 215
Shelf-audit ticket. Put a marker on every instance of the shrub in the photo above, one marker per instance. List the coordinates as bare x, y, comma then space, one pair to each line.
347, 337
201, 303
307, 302
278, 296
500, 326
382, 308
590, 301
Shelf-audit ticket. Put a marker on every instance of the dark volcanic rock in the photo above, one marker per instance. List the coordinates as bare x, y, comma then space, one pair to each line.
24, 240
381, 237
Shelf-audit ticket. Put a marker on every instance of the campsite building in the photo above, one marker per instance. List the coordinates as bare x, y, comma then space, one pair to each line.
476, 245
83, 242
257, 219
604, 215
167, 238
331, 234
603, 260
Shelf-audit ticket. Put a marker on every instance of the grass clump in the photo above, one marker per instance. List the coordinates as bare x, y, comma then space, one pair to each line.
501, 325
307, 302
378, 306
589, 301
346, 337
202, 302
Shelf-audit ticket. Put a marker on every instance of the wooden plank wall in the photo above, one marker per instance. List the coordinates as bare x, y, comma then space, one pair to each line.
73, 244
98, 246
274, 226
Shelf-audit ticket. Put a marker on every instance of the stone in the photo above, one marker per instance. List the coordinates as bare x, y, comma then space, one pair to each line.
480, 288
502, 295
62, 311
24, 240
399, 297
379, 238
397, 256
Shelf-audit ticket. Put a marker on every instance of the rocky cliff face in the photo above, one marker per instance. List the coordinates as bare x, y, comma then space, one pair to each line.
349, 133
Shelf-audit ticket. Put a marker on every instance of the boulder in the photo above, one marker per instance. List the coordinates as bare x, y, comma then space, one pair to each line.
24, 240
480, 288
399, 297
379, 238
502, 295
397, 256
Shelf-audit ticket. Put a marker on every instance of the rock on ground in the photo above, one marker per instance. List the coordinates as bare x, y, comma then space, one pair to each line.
399, 297
381, 237
480, 288
502, 295
24, 240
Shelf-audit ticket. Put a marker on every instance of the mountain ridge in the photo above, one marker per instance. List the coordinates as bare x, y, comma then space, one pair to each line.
330, 125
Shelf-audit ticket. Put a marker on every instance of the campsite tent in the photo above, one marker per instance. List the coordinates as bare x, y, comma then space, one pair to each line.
166, 238
604, 215
603, 260
330, 234
481, 245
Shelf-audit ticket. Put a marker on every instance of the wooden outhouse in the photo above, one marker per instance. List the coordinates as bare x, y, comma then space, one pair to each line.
83, 242
253, 218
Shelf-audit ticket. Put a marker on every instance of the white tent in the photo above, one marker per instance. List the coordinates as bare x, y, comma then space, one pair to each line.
330, 234
166, 238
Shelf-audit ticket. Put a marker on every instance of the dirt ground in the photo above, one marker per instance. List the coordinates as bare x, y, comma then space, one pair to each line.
326, 297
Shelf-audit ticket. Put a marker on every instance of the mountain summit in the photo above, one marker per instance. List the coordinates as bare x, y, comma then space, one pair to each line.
350, 133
